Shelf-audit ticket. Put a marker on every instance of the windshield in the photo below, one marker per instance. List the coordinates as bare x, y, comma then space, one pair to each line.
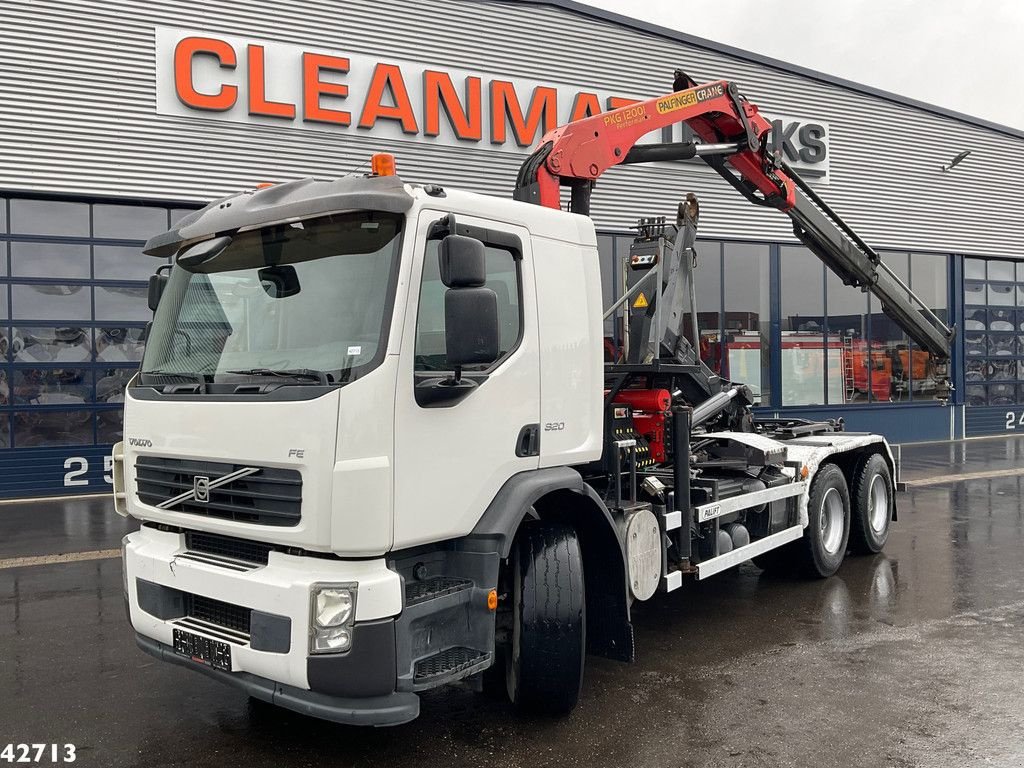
305, 296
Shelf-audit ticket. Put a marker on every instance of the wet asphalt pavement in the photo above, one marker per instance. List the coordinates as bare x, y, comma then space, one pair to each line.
914, 657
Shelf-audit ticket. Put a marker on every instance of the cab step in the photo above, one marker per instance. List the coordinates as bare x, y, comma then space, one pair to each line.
420, 591
449, 665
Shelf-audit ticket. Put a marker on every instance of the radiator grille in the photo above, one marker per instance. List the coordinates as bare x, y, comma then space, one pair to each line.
228, 547
226, 615
268, 496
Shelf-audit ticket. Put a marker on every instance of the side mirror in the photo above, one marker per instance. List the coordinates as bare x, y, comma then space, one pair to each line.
471, 331
157, 283
462, 262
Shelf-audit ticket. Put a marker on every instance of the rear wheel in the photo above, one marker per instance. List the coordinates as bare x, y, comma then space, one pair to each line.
823, 546
544, 661
872, 505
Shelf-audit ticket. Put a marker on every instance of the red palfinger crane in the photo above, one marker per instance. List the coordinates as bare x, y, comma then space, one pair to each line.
734, 139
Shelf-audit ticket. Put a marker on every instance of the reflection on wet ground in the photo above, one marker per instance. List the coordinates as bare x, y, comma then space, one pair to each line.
911, 657
933, 459
60, 525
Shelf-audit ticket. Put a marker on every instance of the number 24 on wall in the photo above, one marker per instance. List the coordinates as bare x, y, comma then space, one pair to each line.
1013, 420
79, 466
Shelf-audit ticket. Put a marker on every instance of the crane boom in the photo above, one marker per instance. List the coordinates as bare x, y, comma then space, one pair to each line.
734, 141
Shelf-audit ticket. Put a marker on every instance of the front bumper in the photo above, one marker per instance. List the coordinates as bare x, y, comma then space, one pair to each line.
389, 709
356, 687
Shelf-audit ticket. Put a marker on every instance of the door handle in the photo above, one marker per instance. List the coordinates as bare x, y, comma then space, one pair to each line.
528, 442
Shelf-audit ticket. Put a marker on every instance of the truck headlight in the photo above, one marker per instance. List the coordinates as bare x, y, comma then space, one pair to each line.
333, 606
333, 610
334, 640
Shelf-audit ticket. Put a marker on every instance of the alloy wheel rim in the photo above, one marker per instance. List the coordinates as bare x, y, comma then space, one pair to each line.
878, 504
831, 521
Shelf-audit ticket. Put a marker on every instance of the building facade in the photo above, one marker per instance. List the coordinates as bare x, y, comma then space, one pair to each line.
119, 117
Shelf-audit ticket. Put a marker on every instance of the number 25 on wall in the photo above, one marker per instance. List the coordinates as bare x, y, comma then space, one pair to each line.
79, 467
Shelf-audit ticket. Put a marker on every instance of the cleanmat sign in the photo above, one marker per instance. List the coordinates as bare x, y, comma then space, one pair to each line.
225, 77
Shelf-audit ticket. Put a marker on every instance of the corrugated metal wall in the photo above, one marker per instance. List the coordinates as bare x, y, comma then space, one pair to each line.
77, 115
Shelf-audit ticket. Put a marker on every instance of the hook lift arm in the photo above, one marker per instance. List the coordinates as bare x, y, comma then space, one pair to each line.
734, 141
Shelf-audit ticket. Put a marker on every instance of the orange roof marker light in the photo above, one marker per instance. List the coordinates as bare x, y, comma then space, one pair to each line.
382, 164
265, 184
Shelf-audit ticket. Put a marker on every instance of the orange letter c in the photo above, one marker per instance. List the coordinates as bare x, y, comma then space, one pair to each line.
184, 52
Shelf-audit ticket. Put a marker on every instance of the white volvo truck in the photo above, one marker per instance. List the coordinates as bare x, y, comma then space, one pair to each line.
375, 446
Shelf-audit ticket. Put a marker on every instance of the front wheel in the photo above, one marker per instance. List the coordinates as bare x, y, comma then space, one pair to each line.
828, 531
544, 663
872, 505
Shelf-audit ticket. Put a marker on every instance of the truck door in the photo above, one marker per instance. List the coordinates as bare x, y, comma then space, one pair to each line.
452, 457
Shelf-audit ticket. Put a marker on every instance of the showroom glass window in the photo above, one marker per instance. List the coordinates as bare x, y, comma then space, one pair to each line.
72, 314
805, 352
838, 347
707, 277
904, 372
993, 332
929, 279
746, 317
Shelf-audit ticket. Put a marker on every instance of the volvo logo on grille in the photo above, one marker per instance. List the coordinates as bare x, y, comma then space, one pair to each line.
201, 487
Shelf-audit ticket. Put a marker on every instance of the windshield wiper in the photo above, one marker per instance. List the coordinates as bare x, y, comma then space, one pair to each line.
198, 378
310, 374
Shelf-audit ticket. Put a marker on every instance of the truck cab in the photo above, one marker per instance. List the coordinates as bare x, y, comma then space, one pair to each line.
296, 445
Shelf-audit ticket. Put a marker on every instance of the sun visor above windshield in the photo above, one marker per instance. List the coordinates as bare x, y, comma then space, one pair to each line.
289, 200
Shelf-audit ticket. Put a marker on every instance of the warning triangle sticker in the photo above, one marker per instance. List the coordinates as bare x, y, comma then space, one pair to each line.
641, 301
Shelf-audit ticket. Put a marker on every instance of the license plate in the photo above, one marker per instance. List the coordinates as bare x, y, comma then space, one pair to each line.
203, 650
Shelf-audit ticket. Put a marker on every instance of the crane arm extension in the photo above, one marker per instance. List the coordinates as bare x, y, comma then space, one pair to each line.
843, 251
819, 228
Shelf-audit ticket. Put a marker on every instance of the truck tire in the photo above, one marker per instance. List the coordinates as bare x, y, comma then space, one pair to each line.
871, 505
825, 539
544, 666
